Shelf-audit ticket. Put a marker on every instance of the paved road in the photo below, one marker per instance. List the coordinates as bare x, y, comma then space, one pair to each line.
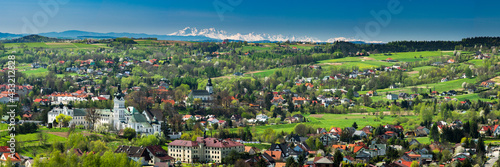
492, 160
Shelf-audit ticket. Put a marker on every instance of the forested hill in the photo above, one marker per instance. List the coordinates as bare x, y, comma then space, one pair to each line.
32, 38
410, 46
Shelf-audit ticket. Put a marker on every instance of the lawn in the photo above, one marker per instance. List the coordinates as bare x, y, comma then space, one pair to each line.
476, 62
264, 73
38, 71
423, 140
69, 74
472, 97
260, 146
495, 142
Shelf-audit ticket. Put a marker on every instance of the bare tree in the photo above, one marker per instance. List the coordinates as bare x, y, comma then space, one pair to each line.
93, 116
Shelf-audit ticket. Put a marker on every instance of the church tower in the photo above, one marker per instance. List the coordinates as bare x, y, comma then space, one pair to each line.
210, 88
118, 108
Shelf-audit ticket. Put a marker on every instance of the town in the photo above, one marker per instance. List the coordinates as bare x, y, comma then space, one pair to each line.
148, 102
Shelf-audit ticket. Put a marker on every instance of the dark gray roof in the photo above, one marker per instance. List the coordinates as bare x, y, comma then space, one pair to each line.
132, 151
200, 93
79, 112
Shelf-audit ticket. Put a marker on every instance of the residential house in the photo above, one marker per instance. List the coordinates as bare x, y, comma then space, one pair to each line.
322, 162
158, 155
487, 84
262, 118
360, 134
371, 93
392, 96
138, 154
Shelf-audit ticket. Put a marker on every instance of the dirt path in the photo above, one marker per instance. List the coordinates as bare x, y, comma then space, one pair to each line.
253, 72
65, 134
316, 115
61, 134
331, 64
367, 58
413, 72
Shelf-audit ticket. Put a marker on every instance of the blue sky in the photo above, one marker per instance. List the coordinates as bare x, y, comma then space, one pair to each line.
418, 20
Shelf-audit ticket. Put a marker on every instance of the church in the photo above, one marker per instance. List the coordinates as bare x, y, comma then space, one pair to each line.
119, 118
204, 95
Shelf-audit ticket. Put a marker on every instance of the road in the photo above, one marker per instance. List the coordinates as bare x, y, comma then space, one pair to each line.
493, 159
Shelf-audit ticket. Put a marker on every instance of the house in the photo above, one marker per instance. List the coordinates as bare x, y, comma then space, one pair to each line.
320, 131
378, 149
345, 101
451, 61
414, 141
402, 163
251, 150
363, 156
15, 159
393, 86
392, 96
283, 148
262, 118
328, 138
436, 64
487, 84
275, 155
322, 162
187, 117
444, 79
360, 134
403, 95
158, 155
138, 154
371, 93
390, 60
496, 130
356, 94
485, 129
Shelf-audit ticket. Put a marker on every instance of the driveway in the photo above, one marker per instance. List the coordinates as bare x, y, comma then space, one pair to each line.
492, 160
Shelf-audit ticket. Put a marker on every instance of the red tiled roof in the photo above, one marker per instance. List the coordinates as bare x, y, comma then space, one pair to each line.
185, 143
357, 148
14, 158
4, 149
276, 155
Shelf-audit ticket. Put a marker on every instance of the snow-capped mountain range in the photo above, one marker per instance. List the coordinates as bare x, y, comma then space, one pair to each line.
221, 34
187, 34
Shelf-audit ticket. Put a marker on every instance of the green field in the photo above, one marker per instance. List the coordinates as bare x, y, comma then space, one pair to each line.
38, 71
440, 86
376, 60
264, 73
332, 120
412, 56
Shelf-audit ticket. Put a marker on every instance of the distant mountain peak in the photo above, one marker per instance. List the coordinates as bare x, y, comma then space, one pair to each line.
221, 35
